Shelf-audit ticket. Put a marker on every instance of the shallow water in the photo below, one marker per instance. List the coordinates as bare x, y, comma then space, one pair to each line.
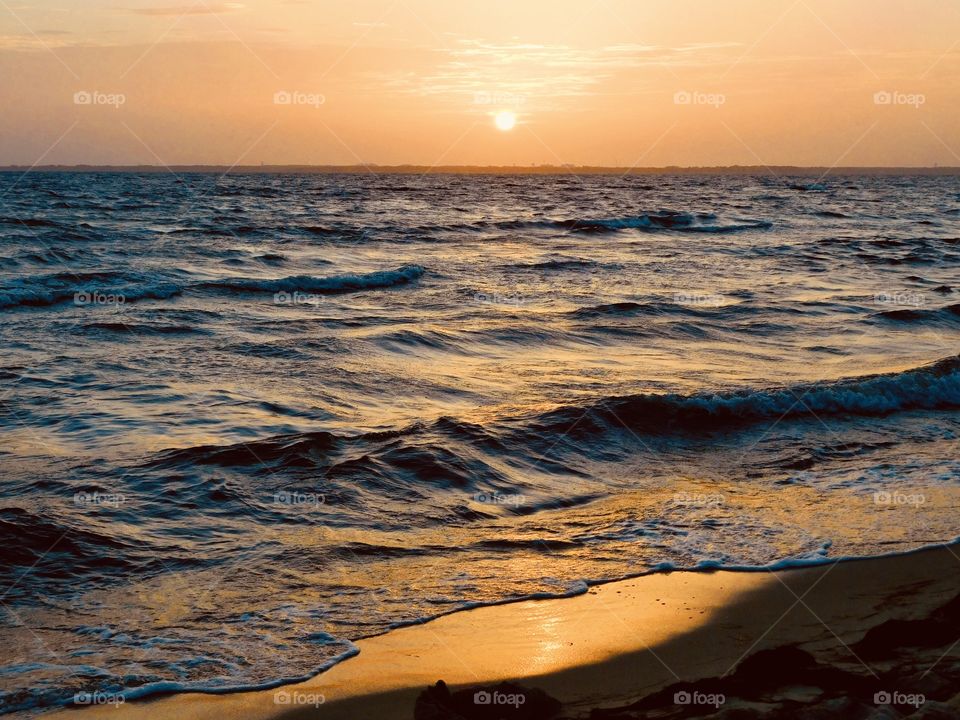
249, 419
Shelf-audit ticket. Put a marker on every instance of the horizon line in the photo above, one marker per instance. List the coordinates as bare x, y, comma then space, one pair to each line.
568, 169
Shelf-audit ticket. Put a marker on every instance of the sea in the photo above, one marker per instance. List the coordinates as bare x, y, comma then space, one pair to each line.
249, 419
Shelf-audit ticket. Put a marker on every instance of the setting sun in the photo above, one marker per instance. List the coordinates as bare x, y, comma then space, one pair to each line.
505, 120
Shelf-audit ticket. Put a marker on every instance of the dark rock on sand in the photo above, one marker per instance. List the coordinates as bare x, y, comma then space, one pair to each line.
505, 701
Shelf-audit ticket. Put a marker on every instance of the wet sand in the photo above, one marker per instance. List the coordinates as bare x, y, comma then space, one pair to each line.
828, 638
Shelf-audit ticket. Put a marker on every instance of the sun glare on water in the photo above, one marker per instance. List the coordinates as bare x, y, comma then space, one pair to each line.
505, 120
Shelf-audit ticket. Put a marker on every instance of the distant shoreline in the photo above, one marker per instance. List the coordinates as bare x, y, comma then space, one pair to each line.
733, 170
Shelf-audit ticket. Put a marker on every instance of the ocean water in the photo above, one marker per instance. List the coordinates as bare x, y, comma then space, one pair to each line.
247, 420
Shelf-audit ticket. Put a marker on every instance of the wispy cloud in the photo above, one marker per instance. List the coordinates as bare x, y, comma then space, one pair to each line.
542, 73
200, 8
39, 40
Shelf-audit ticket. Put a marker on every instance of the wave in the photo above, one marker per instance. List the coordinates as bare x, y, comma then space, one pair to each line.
663, 220
697, 305
931, 387
96, 553
28, 222
84, 289
279, 232
291, 449
215, 686
816, 558
327, 285
918, 315
50, 256
143, 329
618, 308
110, 288
659, 221
666, 220
336, 232
561, 263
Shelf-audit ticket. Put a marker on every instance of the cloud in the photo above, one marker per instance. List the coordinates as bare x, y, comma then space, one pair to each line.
39, 40
198, 8
542, 73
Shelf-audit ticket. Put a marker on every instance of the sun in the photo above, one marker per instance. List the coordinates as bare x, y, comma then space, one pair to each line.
505, 120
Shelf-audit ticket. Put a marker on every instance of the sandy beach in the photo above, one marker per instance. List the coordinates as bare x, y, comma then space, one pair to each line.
838, 639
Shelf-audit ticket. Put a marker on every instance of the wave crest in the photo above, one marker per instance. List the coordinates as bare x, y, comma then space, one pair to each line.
43, 290
332, 284
931, 387
660, 221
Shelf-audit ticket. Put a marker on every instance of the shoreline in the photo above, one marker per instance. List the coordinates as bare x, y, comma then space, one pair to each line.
612, 646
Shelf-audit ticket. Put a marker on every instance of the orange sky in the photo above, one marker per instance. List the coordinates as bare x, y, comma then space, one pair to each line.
611, 82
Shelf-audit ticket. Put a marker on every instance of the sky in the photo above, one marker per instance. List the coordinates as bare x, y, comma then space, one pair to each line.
642, 83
